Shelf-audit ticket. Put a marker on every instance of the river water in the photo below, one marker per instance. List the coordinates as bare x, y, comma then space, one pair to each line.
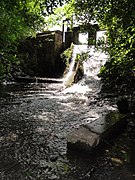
35, 120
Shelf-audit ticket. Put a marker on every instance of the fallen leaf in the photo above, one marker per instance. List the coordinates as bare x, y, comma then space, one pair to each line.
116, 160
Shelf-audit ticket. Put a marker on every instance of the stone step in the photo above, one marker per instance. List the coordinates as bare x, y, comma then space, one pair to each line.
89, 136
38, 80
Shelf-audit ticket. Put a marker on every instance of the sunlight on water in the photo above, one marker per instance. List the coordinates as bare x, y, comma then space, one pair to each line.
96, 58
93, 64
70, 75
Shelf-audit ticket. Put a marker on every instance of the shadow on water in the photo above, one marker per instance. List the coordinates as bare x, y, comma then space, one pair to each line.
33, 129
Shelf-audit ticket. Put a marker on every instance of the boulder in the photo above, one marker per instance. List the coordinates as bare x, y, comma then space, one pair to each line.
89, 136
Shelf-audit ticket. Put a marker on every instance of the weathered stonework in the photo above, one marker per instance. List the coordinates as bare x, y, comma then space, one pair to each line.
40, 56
71, 37
83, 139
88, 136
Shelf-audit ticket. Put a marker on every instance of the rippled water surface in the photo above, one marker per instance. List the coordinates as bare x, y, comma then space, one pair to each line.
35, 120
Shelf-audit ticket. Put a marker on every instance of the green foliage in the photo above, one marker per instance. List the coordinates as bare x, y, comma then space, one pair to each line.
18, 20
78, 72
82, 57
121, 36
118, 18
60, 14
67, 55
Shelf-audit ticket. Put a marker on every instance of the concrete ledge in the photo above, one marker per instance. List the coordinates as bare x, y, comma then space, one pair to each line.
38, 80
89, 136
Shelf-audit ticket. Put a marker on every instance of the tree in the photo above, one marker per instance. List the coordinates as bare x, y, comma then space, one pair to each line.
20, 19
118, 18
61, 13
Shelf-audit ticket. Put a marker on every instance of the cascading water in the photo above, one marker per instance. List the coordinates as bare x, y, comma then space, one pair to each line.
71, 74
36, 119
90, 82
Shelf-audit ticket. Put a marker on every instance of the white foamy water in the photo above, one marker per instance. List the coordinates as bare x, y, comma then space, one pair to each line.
90, 82
71, 73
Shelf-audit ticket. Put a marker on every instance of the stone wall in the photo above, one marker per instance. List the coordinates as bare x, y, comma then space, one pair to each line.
71, 37
40, 56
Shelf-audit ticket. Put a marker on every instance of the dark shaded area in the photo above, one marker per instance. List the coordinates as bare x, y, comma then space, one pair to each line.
91, 136
34, 123
123, 105
37, 80
40, 56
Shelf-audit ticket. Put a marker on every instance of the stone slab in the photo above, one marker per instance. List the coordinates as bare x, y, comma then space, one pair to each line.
82, 139
90, 135
38, 80
106, 123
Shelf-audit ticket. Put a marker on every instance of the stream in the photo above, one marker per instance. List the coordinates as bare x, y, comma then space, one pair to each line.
35, 120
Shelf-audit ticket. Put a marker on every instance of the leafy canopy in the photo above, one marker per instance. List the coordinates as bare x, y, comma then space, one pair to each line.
18, 20
60, 14
118, 18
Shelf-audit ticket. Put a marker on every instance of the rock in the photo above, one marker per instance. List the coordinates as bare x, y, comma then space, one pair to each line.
82, 139
53, 177
88, 136
91, 101
53, 158
123, 105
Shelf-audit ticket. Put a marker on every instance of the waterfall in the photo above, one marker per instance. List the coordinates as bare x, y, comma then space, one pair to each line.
96, 59
90, 82
72, 71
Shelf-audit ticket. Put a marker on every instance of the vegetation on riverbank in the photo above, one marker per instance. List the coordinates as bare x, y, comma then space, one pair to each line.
20, 19
118, 18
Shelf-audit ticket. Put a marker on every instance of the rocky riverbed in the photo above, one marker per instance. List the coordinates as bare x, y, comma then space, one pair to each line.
35, 120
